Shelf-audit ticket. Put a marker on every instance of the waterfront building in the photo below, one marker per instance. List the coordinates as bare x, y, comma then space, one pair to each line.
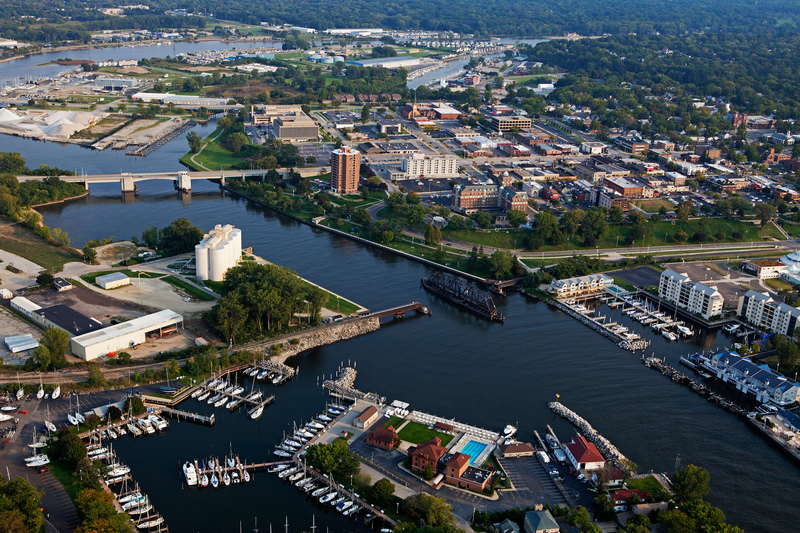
426, 454
384, 438
67, 319
124, 335
459, 472
345, 167
584, 455
113, 280
694, 297
540, 522
220, 249
565, 288
367, 417
764, 268
517, 449
760, 309
757, 380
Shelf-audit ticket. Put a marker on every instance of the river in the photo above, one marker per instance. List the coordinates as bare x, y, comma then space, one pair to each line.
451, 364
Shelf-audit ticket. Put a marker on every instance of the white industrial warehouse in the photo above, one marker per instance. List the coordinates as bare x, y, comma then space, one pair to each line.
113, 280
220, 249
120, 337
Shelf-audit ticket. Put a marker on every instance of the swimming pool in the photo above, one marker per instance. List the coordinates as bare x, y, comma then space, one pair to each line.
473, 448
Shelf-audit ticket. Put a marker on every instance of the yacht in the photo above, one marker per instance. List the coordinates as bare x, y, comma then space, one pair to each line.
669, 335
686, 332
142, 509
222, 401
255, 396
257, 413
129, 497
297, 475
262, 374
214, 481
214, 399
235, 477
277, 468
149, 524
238, 390
191, 474
328, 497
134, 429
325, 418
288, 472
197, 392
203, 397
37, 460
277, 379
204, 481
730, 328
133, 503
112, 434
551, 441
233, 404
319, 492
159, 423
509, 430
345, 505
316, 425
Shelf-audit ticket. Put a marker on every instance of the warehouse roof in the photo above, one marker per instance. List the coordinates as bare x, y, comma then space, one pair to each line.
114, 276
69, 320
146, 324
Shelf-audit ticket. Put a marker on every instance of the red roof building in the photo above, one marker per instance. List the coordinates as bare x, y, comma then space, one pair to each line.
584, 455
426, 454
384, 438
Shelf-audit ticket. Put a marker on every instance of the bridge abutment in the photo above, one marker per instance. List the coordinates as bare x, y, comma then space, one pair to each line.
184, 181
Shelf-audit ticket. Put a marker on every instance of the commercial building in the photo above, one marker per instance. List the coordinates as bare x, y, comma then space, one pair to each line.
65, 318
24, 306
584, 455
367, 417
266, 114
626, 188
389, 127
632, 144
115, 84
384, 438
418, 165
760, 309
470, 198
345, 170
594, 148
220, 249
512, 122
113, 280
387, 62
125, 335
694, 297
179, 99
517, 449
764, 268
295, 126
565, 288
61, 285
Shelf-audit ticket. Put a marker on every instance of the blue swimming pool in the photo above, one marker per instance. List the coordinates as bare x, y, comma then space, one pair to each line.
473, 448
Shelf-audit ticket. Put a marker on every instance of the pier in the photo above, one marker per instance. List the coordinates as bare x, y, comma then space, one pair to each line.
186, 415
618, 334
225, 390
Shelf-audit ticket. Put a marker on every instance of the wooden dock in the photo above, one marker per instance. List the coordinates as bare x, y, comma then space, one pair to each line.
186, 415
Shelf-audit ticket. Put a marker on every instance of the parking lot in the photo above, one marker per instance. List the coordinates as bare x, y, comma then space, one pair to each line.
321, 152
640, 276
532, 483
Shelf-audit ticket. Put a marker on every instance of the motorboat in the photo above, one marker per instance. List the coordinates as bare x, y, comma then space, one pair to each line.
235, 477
730, 328
686, 332
191, 473
112, 434
96, 452
146, 426
669, 335
257, 413
35, 459
159, 423
122, 470
297, 475
551, 441
509, 430
40, 392
288, 472
204, 481
226, 478
120, 431
334, 411
338, 500
222, 401
134, 429
214, 481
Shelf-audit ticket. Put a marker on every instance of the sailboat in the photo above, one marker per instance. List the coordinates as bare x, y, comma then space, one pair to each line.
40, 393
49, 425
78, 416
56, 393
20, 391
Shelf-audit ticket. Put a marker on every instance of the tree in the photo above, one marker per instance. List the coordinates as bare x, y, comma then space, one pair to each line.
616, 216
502, 263
96, 378
195, 141
150, 237
413, 198
56, 341
334, 458
684, 210
135, 406
45, 279
89, 255
433, 235
179, 237
381, 492
230, 317
690, 483
41, 355
20, 505
482, 219
434, 511
765, 213
365, 113
517, 217
69, 447
571, 221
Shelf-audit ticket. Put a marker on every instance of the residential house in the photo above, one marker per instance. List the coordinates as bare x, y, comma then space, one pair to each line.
540, 522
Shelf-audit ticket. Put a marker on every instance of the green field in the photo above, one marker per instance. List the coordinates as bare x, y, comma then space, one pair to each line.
414, 432
33, 249
652, 205
200, 294
213, 156
90, 278
395, 421
650, 484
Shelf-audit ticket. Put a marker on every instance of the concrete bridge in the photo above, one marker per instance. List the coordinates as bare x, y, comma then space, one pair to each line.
182, 178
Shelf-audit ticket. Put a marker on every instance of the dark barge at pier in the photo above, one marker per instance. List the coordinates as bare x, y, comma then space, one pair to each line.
462, 293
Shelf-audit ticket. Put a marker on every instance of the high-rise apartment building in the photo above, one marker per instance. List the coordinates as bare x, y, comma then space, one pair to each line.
345, 165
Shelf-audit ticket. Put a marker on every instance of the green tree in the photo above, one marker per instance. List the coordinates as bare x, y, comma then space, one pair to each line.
434, 511
69, 447
135, 406
334, 458
41, 355
96, 377
89, 255
20, 505
45, 279
230, 317
616, 216
179, 237
381, 492
150, 237
433, 235
571, 221
690, 483
765, 213
195, 141
365, 113
517, 217
502, 263
684, 210
56, 341
482, 219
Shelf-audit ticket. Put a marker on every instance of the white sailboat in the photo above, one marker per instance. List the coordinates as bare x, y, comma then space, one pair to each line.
56, 393
20, 391
49, 425
257, 413
78, 416
40, 393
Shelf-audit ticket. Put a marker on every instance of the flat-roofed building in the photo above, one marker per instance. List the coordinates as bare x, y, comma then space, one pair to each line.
297, 126
437, 166
511, 122
125, 335
694, 297
24, 306
345, 170
624, 187
65, 318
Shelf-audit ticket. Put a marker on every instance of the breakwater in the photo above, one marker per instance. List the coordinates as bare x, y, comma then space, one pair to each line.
678, 377
609, 451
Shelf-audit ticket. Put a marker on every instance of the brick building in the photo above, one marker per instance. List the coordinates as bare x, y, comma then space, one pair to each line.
508, 123
475, 197
384, 438
426, 454
345, 167
624, 187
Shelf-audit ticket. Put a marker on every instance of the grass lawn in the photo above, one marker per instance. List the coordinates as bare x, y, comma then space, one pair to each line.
395, 421
130, 273
64, 476
337, 304
213, 156
778, 284
25, 244
215, 286
501, 239
648, 483
201, 295
624, 284
653, 205
414, 432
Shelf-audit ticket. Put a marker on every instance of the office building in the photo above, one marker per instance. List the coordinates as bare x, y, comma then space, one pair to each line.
295, 126
345, 166
508, 123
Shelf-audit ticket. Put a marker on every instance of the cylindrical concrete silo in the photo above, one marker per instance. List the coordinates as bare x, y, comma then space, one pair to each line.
201, 260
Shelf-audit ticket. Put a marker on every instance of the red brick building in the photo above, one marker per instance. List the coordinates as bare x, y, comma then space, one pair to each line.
458, 472
473, 197
426, 454
626, 188
384, 438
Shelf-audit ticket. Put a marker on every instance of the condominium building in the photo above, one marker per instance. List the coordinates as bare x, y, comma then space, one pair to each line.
760, 309
694, 297
345, 165
471, 198
565, 288
419, 165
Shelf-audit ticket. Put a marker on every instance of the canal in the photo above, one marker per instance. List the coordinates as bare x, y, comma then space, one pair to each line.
451, 364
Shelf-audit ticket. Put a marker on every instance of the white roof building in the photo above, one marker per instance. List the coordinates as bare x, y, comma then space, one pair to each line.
122, 336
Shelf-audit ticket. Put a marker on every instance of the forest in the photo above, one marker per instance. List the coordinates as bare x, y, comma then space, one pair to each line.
483, 18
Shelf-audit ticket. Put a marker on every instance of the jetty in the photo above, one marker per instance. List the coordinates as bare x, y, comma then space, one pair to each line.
609, 451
